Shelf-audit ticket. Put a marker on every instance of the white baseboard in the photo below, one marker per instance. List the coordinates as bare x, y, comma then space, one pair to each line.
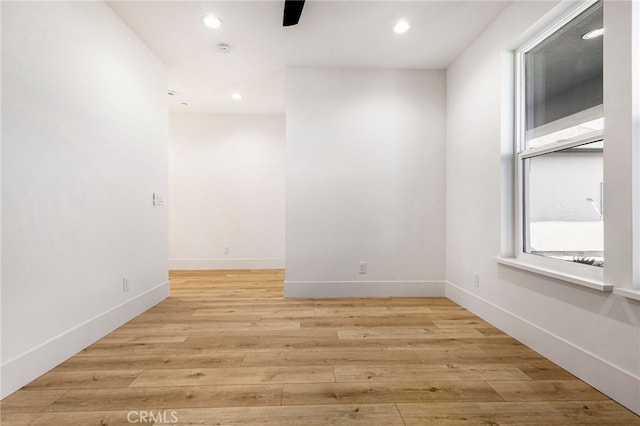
27, 367
225, 263
618, 384
328, 289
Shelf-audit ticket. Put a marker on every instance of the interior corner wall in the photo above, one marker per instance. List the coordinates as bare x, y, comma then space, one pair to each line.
226, 191
592, 334
84, 146
365, 182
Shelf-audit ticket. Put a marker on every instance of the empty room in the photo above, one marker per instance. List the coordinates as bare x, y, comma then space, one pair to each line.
320, 212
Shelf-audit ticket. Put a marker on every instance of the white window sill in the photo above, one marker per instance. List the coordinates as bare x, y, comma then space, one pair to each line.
627, 292
573, 279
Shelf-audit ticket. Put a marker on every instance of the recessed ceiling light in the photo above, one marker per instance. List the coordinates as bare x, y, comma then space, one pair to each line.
401, 27
236, 96
212, 21
593, 34
184, 104
171, 93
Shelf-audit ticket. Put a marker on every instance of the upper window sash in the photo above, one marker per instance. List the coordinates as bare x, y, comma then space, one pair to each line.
520, 93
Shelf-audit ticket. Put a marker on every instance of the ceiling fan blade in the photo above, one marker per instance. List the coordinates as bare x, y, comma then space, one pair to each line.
292, 12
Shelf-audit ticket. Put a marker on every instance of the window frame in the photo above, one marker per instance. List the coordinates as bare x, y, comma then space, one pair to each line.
554, 266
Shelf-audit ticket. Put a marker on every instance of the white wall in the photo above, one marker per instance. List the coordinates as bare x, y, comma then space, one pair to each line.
562, 183
622, 114
592, 334
226, 189
561, 217
84, 146
365, 182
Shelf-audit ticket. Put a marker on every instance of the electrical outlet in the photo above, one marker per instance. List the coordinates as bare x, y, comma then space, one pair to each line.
227, 250
363, 267
476, 279
125, 284
158, 199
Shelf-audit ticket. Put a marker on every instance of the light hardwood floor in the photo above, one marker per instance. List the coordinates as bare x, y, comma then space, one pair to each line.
226, 348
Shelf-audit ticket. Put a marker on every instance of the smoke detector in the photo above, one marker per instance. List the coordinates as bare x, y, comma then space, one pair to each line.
224, 47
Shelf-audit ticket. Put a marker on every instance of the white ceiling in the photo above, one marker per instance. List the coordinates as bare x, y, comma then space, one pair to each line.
330, 34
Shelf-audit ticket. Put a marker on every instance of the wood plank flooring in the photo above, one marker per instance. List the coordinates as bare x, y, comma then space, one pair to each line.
227, 349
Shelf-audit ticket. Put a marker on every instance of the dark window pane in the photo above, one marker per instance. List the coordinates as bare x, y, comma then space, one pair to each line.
563, 82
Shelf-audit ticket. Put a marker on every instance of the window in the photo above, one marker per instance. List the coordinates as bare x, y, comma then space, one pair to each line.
559, 124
